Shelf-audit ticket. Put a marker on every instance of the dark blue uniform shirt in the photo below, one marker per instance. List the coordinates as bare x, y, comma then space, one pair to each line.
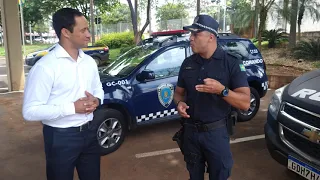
223, 67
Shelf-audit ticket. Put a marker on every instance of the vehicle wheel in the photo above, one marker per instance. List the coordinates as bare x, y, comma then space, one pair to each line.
254, 107
97, 60
111, 129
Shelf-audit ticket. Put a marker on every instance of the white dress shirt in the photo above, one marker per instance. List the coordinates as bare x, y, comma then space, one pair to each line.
54, 83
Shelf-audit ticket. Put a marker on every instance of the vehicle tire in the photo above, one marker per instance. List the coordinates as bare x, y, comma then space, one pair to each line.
254, 107
111, 129
97, 60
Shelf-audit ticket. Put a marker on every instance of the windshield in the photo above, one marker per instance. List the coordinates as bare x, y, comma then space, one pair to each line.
127, 62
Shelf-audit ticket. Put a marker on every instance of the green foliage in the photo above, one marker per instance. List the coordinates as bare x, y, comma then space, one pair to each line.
310, 8
241, 16
274, 37
316, 64
309, 50
29, 48
116, 40
36, 11
120, 13
171, 11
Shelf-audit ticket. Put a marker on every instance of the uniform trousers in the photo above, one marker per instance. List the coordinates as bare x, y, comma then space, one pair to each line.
210, 147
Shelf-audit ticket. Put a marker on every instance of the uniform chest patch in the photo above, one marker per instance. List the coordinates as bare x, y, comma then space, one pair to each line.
242, 68
165, 94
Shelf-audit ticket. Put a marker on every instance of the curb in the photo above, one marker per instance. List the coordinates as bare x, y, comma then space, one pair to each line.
277, 81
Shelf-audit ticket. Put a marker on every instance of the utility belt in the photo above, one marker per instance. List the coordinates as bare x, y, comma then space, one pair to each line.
201, 127
229, 122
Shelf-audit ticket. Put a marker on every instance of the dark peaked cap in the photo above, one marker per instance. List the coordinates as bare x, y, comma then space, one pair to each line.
203, 23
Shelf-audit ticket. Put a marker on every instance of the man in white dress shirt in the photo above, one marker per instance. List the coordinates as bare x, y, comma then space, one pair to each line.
62, 90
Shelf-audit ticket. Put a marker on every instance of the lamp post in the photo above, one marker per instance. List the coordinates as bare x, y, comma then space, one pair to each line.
224, 15
92, 22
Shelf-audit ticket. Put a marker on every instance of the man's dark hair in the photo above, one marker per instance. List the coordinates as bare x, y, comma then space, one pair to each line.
65, 18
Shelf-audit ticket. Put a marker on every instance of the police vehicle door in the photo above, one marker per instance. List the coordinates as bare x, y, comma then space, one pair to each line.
153, 99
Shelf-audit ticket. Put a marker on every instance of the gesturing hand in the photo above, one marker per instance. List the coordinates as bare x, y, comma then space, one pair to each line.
210, 86
182, 109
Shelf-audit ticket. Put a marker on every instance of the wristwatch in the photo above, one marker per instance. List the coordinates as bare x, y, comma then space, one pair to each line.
224, 92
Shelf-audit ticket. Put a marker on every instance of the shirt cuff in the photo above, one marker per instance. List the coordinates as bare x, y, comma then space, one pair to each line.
68, 109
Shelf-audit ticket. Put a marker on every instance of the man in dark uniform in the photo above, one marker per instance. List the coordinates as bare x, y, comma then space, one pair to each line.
209, 83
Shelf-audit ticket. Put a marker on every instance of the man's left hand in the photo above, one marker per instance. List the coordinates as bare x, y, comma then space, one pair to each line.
210, 86
92, 99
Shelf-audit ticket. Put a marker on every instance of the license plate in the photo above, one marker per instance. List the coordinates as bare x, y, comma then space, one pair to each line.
303, 169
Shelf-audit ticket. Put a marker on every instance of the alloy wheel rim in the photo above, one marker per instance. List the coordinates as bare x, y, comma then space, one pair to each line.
109, 132
253, 105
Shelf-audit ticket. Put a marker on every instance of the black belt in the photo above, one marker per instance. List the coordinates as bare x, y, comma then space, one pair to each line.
73, 129
201, 127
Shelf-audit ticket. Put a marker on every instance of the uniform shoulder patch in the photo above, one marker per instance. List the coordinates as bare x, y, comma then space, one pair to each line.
242, 68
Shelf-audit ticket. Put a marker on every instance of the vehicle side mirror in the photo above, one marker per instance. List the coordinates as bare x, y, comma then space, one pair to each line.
146, 75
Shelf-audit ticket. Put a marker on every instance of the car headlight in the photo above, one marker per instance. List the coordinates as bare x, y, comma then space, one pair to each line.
275, 102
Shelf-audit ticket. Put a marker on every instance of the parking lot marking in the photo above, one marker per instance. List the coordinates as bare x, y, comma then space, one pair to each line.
249, 138
169, 151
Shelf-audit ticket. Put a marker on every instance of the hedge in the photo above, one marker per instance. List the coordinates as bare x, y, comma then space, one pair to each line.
116, 40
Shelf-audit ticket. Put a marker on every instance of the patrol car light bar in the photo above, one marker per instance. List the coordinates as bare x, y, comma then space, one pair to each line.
169, 33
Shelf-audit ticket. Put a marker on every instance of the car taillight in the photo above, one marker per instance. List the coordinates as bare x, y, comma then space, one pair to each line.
106, 49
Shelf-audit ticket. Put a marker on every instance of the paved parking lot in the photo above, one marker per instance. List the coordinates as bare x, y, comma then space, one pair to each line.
148, 153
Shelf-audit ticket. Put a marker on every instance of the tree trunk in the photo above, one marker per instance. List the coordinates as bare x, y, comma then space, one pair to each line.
293, 24
300, 16
134, 19
92, 22
299, 32
261, 24
285, 7
256, 19
232, 28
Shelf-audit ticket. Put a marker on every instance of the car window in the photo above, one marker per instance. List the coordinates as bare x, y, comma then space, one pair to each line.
168, 63
127, 62
236, 48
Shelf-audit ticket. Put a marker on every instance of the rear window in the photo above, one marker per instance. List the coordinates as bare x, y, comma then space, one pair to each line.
235, 47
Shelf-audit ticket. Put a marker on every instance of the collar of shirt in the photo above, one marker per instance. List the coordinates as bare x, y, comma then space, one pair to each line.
217, 55
60, 52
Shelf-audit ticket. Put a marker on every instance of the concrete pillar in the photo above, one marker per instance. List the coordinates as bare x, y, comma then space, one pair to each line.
12, 41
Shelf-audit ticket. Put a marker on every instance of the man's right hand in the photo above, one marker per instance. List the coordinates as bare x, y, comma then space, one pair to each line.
83, 105
182, 109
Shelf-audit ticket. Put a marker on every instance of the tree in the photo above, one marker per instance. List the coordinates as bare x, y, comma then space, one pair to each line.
170, 11
293, 24
283, 11
84, 5
36, 10
242, 16
0, 18
265, 6
134, 19
120, 13
308, 6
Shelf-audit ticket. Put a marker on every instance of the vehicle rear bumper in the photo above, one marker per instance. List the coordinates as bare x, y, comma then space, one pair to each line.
104, 57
